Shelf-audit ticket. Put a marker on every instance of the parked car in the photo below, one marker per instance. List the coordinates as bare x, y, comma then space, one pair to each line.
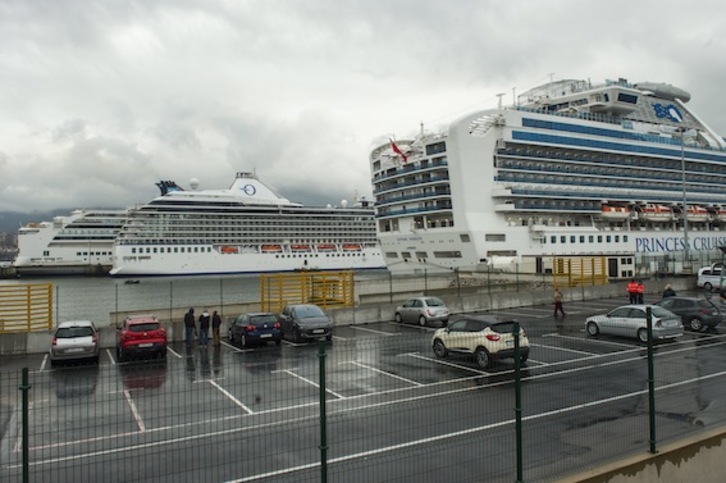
696, 312
74, 340
258, 327
485, 337
140, 335
630, 321
710, 277
305, 322
423, 310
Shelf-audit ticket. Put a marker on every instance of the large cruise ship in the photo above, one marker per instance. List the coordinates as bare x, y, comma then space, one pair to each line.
81, 243
247, 228
620, 171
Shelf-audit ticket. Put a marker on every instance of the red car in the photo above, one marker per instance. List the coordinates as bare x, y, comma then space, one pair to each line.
140, 335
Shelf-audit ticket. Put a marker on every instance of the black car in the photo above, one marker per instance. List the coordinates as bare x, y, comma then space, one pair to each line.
696, 312
306, 322
257, 327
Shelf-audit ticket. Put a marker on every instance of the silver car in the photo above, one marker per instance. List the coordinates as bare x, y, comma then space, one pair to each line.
630, 321
75, 340
423, 310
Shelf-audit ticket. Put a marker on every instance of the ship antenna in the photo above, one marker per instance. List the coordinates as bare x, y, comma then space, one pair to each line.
500, 95
422, 129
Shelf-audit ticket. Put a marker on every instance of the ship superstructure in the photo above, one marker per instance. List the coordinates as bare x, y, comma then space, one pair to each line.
247, 228
618, 170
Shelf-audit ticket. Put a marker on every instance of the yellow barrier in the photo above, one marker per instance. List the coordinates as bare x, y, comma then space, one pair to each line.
326, 289
579, 271
26, 308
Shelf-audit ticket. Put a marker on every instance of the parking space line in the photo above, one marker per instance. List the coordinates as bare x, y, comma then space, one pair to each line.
134, 411
385, 373
446, 363
231, 397
563, 349
364, 329
330, 391
174, 352
110, 356
42, 364
411, 326
560, 336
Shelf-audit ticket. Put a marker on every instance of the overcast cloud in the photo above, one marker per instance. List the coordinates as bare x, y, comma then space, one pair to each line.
99, 100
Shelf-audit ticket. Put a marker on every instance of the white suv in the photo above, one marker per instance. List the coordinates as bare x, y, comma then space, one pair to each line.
487, 338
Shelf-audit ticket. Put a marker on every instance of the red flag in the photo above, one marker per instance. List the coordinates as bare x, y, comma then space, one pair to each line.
397, 150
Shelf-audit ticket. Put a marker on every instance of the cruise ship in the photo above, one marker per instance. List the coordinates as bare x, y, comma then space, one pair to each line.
623, 172
247, 228
81, 243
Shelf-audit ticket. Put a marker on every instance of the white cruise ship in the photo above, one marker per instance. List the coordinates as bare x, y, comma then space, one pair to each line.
620, 171
247, 228
81, 243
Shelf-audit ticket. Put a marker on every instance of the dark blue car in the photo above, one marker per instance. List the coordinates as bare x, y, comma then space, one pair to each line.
255, 328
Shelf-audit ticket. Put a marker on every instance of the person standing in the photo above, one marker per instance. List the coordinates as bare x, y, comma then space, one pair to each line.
669, 292
189, 327
216, 324
641, 291
633, 291
204, 328
558, 302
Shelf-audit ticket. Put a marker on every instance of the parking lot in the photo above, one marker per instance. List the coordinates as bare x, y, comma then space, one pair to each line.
387, 398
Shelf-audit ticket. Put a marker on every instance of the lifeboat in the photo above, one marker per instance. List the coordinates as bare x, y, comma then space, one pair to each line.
271, 248
696, 214
352, 247
656, 213
329, 247
610, 212
229, 249
721, 215
300, 248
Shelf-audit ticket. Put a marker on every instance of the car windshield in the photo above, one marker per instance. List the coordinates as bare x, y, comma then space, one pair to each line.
434, 302
661, 312
145, 327
70, 332
263, 319
308, 311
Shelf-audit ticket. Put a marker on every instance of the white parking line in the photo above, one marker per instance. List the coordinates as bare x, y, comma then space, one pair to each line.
329, 391
559, 336
110, 356
174, 352
134, 411
562, 349
364, 366
231, 397
430, 359
364, 329
42, 364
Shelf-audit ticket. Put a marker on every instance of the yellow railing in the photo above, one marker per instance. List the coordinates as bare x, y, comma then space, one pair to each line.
326, 289
26, 308
579, 271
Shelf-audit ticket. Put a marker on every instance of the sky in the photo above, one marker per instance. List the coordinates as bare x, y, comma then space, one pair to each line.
100, 100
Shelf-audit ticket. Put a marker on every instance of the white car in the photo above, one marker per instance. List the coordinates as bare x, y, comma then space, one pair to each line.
74, 340
423, 310
631, 321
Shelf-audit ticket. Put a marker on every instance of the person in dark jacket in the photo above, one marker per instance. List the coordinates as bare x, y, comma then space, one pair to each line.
189, 327
216, 324
669, 292
204, 328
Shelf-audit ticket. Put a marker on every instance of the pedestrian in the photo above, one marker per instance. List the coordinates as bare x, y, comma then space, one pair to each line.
633, 291
189, 327
641, 291
669, 292
216, 323
204, 328
558, 302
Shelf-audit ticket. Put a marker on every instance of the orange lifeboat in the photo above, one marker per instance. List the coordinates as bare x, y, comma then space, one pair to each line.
656, 213
696, 214
229, 249
271, 248
352, 247
721, 215
610, 212
329, 247
300, 248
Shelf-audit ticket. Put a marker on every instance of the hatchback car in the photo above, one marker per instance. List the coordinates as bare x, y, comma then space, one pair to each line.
423, 310
696, 312
140, 335
74, 340
306, 322
630, 321
487, 338
258, 327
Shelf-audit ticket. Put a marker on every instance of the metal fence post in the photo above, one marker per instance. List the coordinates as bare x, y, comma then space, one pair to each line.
24, 388
323, 415
651, 380
518, 401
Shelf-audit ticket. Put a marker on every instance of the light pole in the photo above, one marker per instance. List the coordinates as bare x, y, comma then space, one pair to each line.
686, 250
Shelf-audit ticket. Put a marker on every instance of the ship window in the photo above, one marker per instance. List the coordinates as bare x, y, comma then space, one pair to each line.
573, 239
608, 238
495, 237
421, 255
563, 239
599, 238
582, 238
176, 249
448, 254
406, 255
625, 238
155, 250
435, 148
629, 98
133, 250
553, 239
617, 238
148, 250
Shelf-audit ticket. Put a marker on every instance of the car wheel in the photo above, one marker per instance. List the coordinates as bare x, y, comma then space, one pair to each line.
483, 359
592, 328
524, 358
422, 321
440, 349
399, 319
643, 335
119, 354
707, 286
163, 353
230, 337
695, 324
329, 337
297, 335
